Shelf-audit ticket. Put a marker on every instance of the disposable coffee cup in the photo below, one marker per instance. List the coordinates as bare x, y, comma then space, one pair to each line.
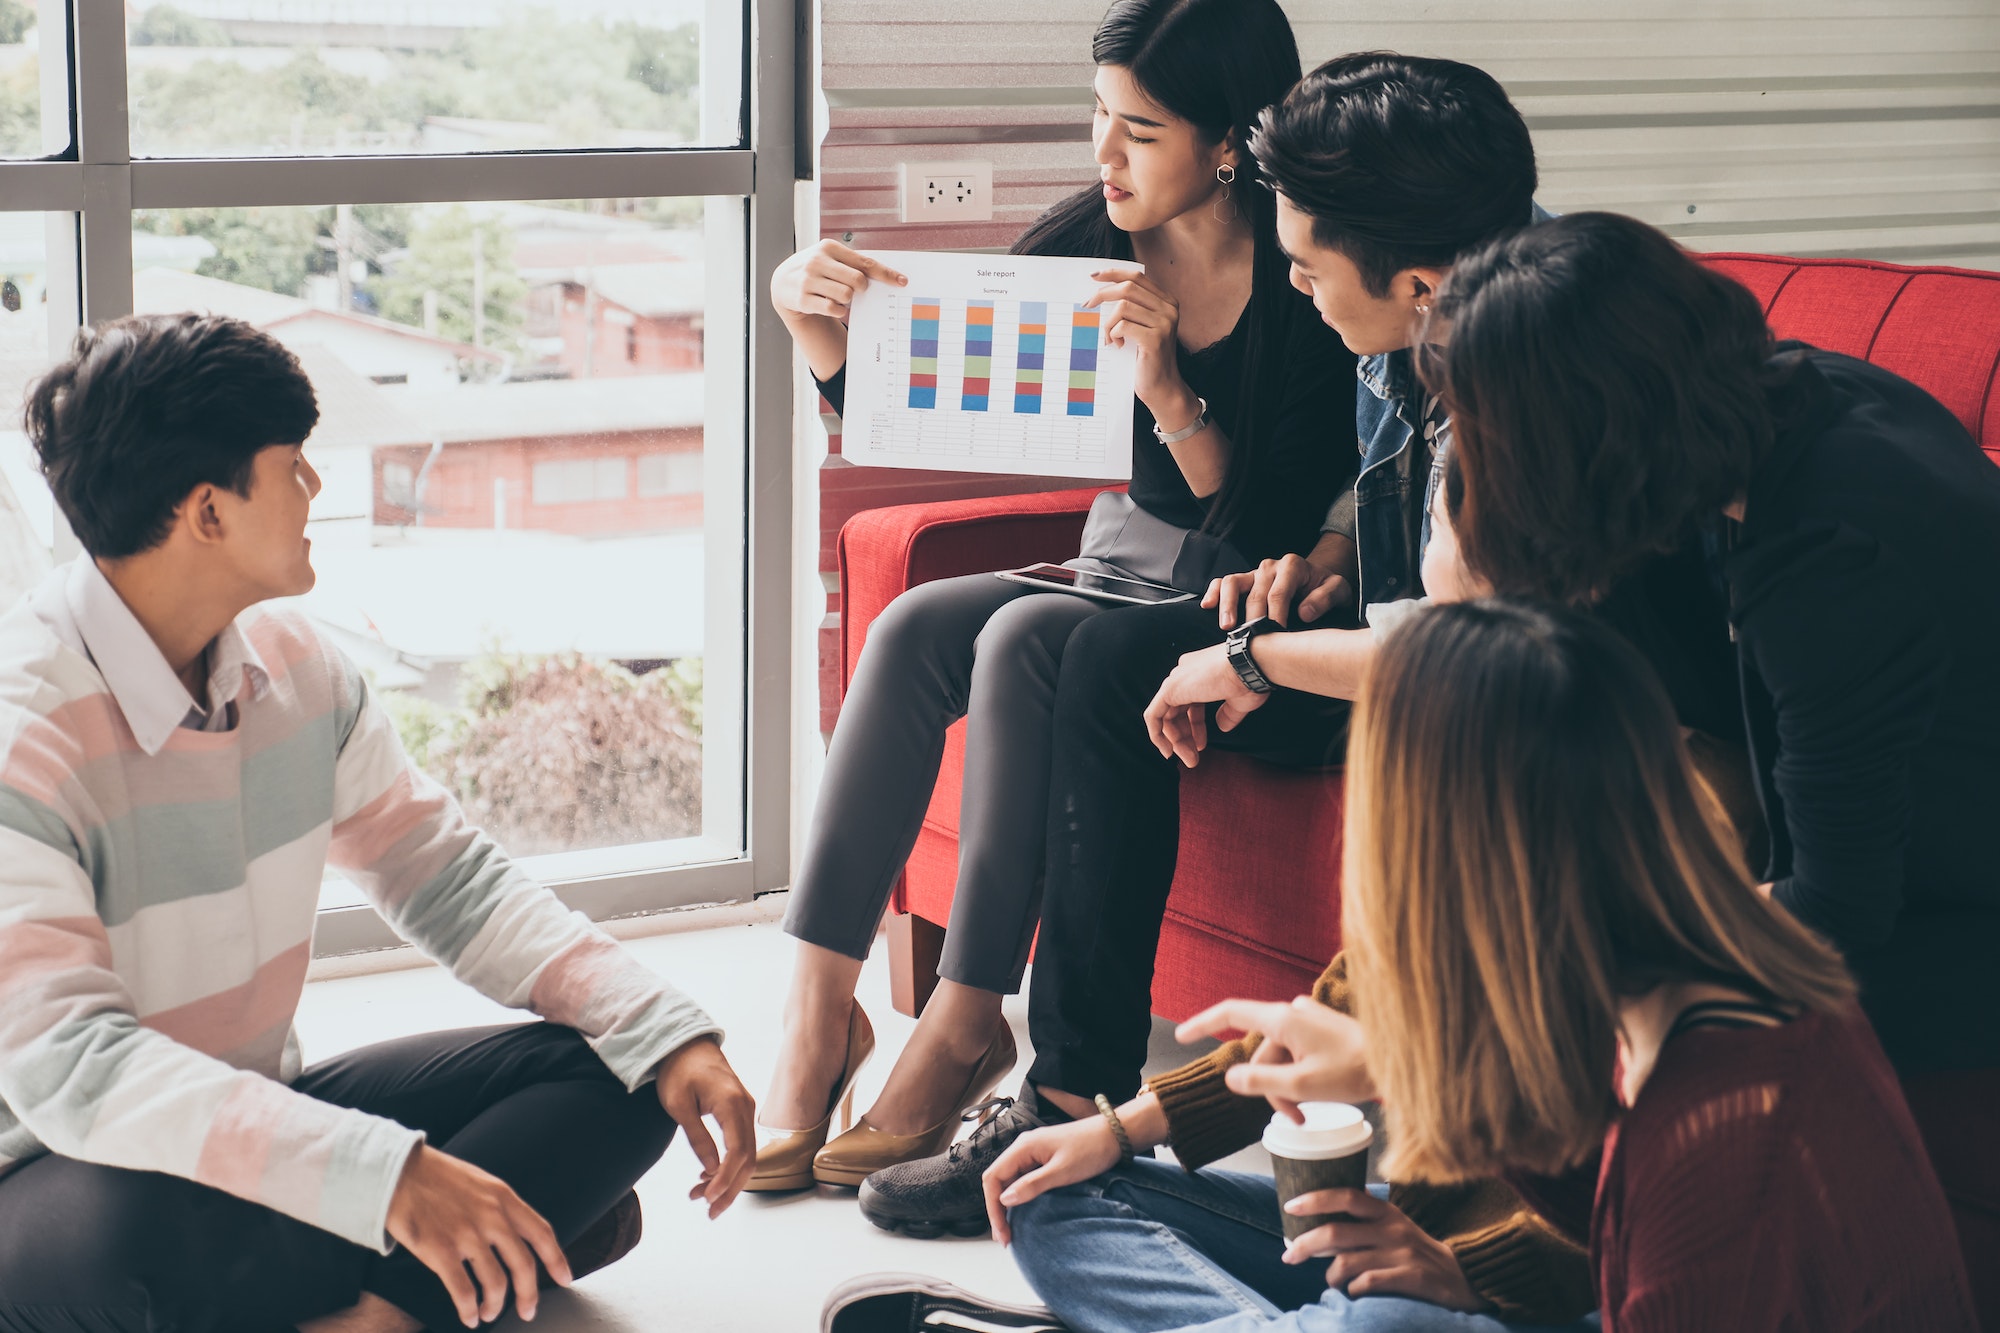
1328, 1152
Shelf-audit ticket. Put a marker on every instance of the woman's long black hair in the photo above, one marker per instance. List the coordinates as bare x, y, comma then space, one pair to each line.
1215, 64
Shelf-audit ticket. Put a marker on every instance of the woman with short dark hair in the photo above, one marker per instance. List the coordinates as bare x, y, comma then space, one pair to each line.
1612, 395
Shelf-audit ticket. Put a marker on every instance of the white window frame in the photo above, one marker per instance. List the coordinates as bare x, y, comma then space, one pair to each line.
100, 184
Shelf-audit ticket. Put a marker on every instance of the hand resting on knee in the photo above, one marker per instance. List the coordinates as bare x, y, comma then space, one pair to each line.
451, 1215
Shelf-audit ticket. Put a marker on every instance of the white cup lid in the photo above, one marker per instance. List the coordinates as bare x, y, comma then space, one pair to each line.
1332, 1129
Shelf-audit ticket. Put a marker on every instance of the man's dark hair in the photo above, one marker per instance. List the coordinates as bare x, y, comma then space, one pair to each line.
1401, 161
149, 407
1606, 389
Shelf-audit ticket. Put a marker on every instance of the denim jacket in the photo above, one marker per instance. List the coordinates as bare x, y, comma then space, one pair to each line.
1388, 416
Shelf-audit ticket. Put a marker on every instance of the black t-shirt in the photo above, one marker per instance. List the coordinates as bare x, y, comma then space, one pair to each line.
1305, 459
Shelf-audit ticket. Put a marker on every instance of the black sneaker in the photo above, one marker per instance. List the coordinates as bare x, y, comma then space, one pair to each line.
937, 1196
912, 1303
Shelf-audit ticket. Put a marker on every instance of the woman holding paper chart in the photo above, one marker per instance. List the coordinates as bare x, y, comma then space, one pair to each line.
1233, 461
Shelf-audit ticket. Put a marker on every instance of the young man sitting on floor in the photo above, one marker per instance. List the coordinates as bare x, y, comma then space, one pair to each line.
177, 768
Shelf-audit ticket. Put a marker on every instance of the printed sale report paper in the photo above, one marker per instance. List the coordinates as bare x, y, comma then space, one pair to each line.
987, 363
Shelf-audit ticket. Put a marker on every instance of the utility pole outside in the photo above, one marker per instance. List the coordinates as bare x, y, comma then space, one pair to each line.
478, 286
343, 253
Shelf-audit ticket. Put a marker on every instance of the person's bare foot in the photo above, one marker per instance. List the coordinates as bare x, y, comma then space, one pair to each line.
920, 1093
810, 1062
930, 1075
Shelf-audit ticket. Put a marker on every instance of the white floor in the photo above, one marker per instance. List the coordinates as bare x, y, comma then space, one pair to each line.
767, 1264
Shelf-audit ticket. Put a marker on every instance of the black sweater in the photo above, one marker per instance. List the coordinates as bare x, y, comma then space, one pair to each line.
1864, 586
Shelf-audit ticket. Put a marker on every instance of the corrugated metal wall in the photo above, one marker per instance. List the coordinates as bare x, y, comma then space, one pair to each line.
1802, 127
1805, 127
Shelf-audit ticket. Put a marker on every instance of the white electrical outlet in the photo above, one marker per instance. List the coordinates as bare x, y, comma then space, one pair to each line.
945, 191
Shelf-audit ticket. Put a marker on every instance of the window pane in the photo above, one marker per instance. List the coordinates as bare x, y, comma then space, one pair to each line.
560, 644
291, 77
34, 101
33, 318
669, 474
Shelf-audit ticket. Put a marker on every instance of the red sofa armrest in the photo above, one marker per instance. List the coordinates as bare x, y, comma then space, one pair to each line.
883, 552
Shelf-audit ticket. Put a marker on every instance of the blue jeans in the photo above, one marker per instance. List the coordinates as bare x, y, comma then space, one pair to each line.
1150, 1247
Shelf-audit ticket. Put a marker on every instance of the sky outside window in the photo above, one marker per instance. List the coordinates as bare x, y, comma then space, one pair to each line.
302, 77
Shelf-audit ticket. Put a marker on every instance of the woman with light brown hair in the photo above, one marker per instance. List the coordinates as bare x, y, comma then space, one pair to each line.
1560, 973
1563, 972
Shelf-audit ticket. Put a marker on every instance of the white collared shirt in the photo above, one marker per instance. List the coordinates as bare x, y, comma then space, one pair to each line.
93, 619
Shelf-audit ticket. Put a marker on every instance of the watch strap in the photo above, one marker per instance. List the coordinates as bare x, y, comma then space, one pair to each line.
1189, 431
1237, 652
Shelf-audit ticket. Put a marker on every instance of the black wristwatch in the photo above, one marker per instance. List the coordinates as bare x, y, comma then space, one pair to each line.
1237, 648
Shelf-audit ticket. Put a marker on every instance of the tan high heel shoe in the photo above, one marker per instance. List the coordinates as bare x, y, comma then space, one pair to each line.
785, 1161
864, 1150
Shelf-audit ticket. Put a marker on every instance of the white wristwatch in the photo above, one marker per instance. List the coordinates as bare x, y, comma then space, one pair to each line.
1189, 431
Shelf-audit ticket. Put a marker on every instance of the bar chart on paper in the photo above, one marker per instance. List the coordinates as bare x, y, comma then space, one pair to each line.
990, 364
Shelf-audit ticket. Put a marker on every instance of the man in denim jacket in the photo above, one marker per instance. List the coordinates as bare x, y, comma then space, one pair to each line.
1370, 240
1371, 264
1372, 257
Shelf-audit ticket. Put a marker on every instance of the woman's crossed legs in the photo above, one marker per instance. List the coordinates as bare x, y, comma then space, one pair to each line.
1150, 1247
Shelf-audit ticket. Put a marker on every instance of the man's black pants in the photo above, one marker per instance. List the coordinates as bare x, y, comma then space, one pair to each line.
1114, 836
85, 1248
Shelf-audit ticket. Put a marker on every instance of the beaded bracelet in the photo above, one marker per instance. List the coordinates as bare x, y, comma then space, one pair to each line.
1110, 1114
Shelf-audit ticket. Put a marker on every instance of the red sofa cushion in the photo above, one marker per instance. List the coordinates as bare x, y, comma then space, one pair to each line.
885, 551
1936, 327
1255, 907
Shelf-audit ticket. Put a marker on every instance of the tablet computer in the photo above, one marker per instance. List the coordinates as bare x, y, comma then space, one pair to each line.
1103, 587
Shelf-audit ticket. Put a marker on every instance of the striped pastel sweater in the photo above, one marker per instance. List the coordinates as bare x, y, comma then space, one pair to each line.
156, 917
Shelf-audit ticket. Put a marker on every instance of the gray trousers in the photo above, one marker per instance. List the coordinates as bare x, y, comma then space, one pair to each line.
976, 647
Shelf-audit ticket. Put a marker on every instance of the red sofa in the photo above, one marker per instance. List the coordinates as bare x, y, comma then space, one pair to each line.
1255, 908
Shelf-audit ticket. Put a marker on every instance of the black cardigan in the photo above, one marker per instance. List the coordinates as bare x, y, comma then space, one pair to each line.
1864, 588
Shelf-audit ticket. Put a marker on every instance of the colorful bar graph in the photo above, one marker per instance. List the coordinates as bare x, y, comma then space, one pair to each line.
1082, 362
924, 316
978, 355
1028, 359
